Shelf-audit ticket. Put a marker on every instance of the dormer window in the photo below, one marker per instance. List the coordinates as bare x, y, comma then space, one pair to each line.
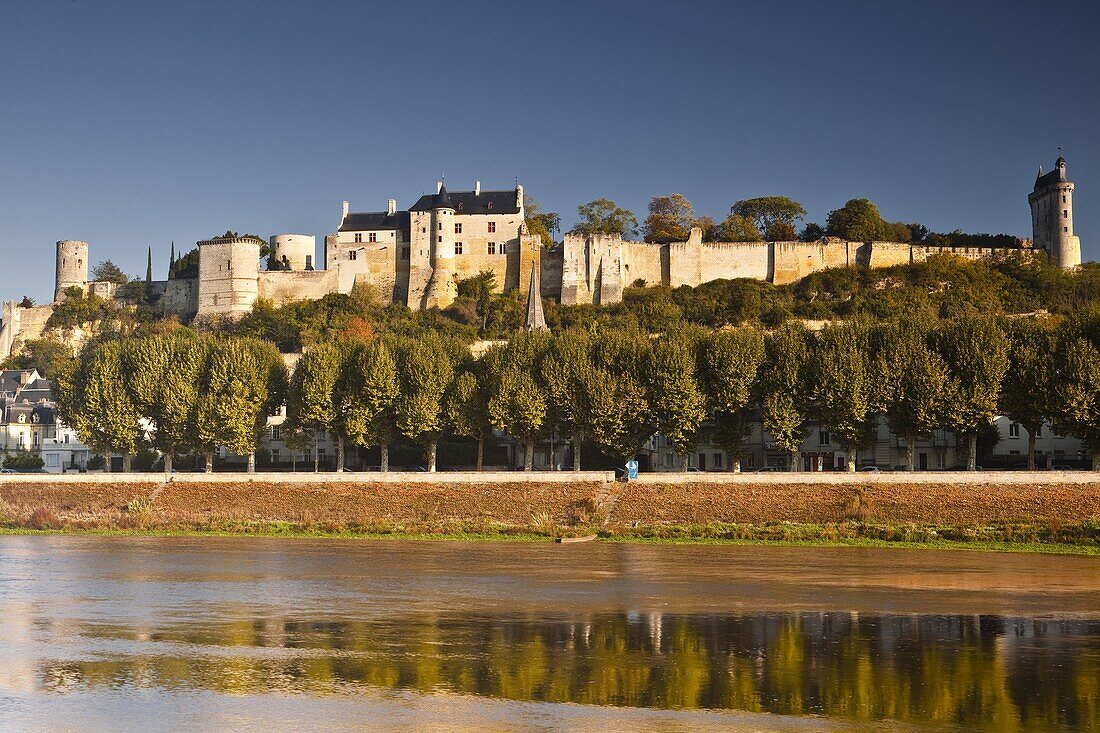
22, 418
489, 205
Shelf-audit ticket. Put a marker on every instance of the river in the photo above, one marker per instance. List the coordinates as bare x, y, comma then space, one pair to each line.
265, 634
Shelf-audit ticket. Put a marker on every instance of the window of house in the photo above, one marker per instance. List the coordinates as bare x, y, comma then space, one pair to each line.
274, 455
34, 441
1014, 430
353, 255
458, 248
717, 460
458, 228
358, 237
492, 227
1039, 432
308, 455
823, 437
321, 454
372, 237
276, 432
492, 248
52, 460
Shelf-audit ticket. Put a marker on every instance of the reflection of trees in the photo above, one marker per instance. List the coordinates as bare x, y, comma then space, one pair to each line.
993, 673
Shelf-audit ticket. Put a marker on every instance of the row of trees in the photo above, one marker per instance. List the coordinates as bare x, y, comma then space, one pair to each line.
613, 388
770, 218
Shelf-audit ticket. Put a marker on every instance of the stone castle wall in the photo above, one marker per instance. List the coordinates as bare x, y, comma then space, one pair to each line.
284, 286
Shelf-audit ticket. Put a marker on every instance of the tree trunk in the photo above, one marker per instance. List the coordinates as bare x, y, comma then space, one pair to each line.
126, 463
431, 456
851, 461
168, 461
210, 461
252, 462
735, 460
577, 453
293, 463
480, 450
1031, 450
972, 449
339, 455
684, 463
910, 452
107, 468
385, 448
529, 455
794, 461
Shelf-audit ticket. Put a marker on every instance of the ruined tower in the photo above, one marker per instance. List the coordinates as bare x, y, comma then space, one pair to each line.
1052, 217
72, 267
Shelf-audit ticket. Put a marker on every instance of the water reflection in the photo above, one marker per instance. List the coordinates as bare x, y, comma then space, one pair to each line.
986, 672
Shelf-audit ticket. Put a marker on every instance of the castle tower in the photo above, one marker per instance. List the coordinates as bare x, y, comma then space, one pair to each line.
442, 287
229, 275
72, 267
1052, 217
292, 252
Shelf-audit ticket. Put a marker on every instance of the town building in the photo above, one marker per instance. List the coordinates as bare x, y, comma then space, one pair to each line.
29, 424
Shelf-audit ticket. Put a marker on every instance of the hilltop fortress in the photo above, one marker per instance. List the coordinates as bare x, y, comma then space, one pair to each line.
417, 257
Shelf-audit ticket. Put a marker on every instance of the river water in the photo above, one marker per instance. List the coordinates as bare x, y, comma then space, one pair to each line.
264, 634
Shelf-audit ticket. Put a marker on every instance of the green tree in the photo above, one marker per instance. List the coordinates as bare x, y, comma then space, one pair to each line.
975, 350
857, 221
47, 355
784, 382
544, 224
517, 404
619, 409
1026, 392
678, 401
564, 374
773, 215
367, 394
844, 385
313, 401
670, 218
108, 271
603, 216
102, 411
1077, 390
467, 407
811, 233
425, 369
913, 383
737, 228
730, 361
243, 381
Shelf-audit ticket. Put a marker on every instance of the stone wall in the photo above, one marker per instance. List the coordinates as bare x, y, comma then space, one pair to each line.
21, 325
176, 297
285, 286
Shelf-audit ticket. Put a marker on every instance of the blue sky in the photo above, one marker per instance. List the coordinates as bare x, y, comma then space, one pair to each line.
132, 124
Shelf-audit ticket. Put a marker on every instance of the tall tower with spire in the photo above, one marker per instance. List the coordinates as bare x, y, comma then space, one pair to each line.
1052, 216
442, 286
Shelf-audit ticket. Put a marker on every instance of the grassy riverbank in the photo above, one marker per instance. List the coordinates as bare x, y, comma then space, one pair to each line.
1072, 541
1050, 517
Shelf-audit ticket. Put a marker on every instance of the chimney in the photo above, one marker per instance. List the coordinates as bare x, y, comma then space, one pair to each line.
438, 186
345, 214
519, 196
477, 188
391, 207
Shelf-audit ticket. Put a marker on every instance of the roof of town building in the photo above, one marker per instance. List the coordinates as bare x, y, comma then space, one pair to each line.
470, 202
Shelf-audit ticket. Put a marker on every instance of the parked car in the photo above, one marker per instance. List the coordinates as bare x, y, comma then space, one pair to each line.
1061, 468
769, 469
869, 469
7, 470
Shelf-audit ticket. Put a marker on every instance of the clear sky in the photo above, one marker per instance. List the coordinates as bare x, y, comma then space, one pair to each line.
132, 124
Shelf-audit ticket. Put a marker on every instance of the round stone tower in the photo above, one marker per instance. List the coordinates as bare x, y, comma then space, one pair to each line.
1052, 217
292, 252
229, 269
72, 267
442, 287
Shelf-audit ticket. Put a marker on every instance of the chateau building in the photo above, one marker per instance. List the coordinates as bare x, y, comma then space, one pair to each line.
418, 256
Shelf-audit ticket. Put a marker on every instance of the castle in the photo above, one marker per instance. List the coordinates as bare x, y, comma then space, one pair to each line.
417, 257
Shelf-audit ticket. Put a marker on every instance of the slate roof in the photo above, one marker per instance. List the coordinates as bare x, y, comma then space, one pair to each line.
370, 220
467, 202
1058, 175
